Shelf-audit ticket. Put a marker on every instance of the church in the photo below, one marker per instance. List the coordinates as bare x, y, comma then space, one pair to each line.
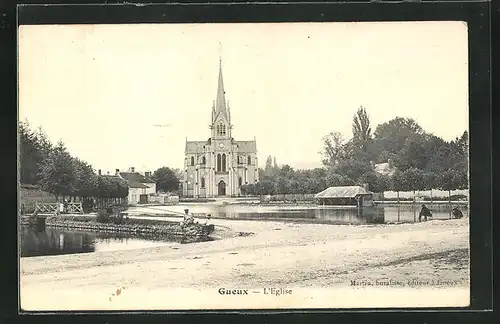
219, 166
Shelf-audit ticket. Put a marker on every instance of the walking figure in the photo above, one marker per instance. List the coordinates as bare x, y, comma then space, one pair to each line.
425, 212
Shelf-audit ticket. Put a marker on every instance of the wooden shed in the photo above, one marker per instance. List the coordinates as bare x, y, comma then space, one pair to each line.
345, 196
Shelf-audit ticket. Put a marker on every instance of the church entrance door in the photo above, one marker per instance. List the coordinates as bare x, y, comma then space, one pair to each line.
221, 188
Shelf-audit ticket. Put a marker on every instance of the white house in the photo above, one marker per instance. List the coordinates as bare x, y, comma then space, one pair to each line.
140, 187
387, 168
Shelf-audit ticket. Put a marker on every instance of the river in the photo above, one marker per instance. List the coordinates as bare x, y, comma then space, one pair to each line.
56, 241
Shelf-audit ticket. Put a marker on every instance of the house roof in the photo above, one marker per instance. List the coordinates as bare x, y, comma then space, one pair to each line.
135, 180
136, 185
342, 192
28, 186
384, 169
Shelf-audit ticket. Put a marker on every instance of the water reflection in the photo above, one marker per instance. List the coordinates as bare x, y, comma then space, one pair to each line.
56, 241
36, 242
329, 214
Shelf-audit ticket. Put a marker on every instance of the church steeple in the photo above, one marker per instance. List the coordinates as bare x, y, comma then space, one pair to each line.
221, 118
220, 103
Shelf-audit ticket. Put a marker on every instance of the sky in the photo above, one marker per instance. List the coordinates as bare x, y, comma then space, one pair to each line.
104, 89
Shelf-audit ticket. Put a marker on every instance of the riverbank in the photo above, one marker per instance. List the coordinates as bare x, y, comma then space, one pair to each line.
318, 262
127, 225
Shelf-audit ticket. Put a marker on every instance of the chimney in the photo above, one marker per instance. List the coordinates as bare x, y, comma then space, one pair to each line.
117, 171
132, 169
147, 174
107, 172
99, 172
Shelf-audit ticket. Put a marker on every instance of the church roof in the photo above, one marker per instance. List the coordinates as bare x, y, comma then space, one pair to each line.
246, 146
195, 146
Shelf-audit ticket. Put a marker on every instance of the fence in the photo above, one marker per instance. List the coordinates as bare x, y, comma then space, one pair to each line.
288, 197
51, 208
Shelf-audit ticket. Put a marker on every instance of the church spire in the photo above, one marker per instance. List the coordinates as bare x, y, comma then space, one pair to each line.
220, 105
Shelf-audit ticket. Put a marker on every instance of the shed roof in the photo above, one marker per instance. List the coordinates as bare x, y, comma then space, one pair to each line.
342, 192
135, 179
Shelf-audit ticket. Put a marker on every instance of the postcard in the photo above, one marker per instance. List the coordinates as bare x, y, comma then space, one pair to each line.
243, 166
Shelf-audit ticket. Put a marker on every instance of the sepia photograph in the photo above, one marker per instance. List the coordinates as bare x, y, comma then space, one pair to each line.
211, 166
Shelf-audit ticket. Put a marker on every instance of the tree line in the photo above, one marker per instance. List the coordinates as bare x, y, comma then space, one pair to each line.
421, 160
51, 168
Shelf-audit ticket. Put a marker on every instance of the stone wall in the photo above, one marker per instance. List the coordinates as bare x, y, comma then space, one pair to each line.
135, 226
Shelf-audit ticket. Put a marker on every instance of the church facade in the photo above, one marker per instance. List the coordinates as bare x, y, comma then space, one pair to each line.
219, 166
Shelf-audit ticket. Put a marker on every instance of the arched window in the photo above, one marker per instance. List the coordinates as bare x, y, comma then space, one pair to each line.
240, 182
218, 162
239, 159
223, 162
203, 160
249, 159
192, 160
221, 129
203, 182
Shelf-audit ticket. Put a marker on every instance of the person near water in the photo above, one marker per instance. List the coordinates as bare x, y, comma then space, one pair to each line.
207, 219
425, 212
188, 219
457, 214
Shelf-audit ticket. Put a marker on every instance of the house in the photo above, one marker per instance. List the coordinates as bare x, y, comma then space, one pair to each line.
345, 196
386, 168
141, 188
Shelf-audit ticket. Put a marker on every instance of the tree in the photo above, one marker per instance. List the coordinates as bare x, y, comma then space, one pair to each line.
29, 155
463, 143
397, 182
333, 149
282, 185
391, 136
448, 181
266, 187
57, 172
413, 154
353, 168
248, 189
376, 182
269, 163
335, 180
166, 179
413, 180
119, 188
461, 180
430, 179
85, 179
361, 130
178, 173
